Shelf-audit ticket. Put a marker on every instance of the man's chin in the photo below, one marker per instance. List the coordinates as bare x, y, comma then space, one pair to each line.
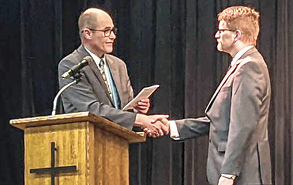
109, 50
219, 48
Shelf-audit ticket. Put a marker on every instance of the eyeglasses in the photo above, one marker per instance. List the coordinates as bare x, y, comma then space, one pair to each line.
107, 32
223, 30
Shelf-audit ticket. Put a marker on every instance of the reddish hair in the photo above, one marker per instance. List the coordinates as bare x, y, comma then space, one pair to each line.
242, 18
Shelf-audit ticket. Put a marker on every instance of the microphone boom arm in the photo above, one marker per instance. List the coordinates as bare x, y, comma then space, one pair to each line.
77, 79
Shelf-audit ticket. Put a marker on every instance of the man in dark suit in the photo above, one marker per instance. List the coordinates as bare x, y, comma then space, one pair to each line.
237, 114
105, 86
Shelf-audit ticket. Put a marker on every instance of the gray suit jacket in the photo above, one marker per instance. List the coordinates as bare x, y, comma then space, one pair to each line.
91, 93
237, 123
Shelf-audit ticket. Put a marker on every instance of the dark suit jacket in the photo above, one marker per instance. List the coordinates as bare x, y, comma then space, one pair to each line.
237, 123
91, 93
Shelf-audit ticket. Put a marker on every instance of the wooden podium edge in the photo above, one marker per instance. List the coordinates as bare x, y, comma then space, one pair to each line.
130, 136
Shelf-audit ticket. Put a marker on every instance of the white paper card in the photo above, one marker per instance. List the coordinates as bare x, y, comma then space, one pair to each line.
144, 93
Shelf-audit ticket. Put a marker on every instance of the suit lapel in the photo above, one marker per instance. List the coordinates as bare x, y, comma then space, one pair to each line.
97, 73
115, 74
228, 74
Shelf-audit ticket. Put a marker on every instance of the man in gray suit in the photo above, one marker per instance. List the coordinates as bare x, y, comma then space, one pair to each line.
237, 114
105, 86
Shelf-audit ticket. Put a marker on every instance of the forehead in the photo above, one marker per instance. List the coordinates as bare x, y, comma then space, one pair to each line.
104, 21
222, 24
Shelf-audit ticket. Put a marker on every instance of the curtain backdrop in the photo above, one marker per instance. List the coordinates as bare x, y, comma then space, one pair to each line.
166, 42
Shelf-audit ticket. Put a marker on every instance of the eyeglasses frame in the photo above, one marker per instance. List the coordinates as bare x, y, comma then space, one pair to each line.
114, 30
225, 29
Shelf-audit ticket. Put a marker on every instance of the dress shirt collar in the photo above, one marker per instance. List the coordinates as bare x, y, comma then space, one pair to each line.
95, 57
240, 54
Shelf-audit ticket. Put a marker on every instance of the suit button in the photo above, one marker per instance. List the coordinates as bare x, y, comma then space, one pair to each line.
210, 140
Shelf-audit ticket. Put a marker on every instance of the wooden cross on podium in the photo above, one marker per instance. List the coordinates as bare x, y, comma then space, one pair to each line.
53, 170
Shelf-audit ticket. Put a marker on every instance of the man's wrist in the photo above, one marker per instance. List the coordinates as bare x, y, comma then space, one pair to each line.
139, 120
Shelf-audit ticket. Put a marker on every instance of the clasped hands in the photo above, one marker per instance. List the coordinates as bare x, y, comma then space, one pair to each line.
161, 126
152, 125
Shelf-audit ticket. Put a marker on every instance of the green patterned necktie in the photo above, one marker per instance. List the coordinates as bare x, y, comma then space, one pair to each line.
102, 70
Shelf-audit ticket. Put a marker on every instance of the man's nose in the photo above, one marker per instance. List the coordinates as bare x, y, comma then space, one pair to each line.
217, 35
112, 35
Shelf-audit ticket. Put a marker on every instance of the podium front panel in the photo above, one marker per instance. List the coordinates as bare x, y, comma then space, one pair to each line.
72, 147
100, 157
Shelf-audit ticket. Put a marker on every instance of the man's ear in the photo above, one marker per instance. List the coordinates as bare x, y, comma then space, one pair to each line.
87, 34
238, 35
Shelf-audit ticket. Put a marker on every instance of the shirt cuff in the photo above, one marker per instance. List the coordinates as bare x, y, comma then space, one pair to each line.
229, 176
173, 130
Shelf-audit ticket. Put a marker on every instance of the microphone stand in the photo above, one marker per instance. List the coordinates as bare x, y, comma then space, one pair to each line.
76, 80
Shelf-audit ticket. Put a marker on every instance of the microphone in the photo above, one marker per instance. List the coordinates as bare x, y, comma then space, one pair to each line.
76, 68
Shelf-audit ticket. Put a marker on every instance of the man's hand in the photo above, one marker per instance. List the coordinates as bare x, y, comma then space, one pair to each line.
142, 106
147, 123
225, 181
161, 122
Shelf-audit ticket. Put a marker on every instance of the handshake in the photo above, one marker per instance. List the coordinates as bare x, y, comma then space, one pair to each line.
153, 125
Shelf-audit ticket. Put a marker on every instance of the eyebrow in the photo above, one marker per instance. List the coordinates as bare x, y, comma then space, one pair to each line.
109, 27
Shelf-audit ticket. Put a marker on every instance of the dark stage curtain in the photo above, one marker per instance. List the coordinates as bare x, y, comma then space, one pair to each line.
164, 42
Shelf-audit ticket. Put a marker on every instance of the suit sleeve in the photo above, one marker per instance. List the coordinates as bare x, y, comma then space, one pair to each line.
193, 128
82, 98
246, 101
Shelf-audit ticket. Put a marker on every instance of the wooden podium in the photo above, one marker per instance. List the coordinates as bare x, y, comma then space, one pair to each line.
76, 149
